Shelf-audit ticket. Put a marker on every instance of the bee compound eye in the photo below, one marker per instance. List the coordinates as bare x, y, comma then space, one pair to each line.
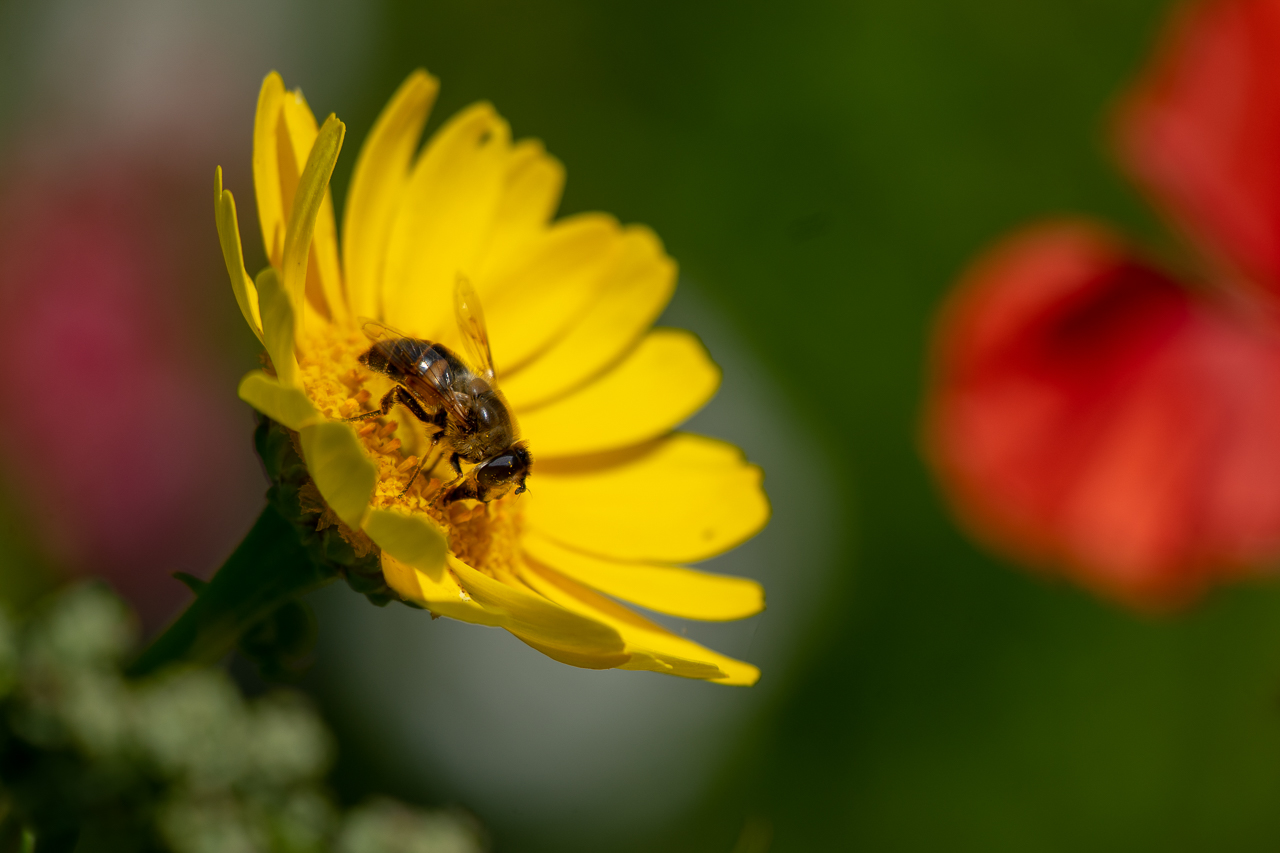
496, 471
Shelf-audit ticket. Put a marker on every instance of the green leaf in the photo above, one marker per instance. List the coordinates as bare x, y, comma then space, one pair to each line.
191, 582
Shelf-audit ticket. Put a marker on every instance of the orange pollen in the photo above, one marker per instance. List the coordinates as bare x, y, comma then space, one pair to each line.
484, 536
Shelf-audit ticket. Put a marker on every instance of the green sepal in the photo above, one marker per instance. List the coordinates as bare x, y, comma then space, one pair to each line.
281, 643
289, 479
366, 584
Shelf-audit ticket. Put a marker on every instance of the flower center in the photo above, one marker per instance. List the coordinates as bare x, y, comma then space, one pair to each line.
484, 536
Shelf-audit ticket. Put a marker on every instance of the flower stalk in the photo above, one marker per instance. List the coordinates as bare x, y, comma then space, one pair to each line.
269, 569
289, 552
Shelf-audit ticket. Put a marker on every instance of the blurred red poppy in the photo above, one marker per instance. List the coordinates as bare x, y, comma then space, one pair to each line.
1094, 412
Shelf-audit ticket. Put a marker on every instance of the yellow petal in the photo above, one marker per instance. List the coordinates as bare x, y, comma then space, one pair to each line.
285, 404
224, 211
537, 291
679, 499
601, 660
663, 381
266, 167
313, 188
340, 468
324, 277
411, 539
279, 328
652, 647
674, 590
687, 665
530, 196
535, 619
437, 591
460, 592
380, 175
295, 132
284, 134
444, 220
634, 294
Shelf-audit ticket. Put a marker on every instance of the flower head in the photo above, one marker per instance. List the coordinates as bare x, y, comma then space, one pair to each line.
1095, 411
616, 501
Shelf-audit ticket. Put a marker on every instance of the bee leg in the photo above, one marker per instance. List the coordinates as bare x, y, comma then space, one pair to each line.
422, 465
416, 472
384, 406
459, 488
435, 440
399, 395
404, 398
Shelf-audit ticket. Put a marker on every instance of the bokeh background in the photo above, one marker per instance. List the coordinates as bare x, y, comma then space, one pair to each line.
822, 171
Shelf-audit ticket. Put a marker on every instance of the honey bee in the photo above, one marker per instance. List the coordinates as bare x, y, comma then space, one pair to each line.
461, 405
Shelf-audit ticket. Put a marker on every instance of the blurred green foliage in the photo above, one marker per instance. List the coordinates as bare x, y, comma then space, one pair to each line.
823, 171
91, 761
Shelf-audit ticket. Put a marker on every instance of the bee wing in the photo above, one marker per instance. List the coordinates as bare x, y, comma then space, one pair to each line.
430, 390
466, 304
375, 330
419, 367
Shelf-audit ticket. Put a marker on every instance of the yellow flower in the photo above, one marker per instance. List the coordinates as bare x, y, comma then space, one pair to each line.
617, 502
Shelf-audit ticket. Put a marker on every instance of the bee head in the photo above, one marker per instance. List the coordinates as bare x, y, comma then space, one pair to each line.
503, 473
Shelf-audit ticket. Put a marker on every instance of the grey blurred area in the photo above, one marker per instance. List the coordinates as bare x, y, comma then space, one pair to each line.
579, 758
121, 73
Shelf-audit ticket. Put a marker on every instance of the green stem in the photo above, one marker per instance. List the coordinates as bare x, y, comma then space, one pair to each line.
269, 568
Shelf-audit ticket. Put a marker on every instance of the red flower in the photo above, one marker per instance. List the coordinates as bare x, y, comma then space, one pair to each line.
1092, 411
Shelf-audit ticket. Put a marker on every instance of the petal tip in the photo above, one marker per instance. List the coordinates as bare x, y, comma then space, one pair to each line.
272, 86
421, 78
412, 539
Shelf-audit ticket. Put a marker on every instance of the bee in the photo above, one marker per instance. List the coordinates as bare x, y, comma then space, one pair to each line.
461, 405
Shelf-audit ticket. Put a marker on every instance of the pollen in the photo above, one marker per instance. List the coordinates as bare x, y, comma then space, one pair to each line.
484, 536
